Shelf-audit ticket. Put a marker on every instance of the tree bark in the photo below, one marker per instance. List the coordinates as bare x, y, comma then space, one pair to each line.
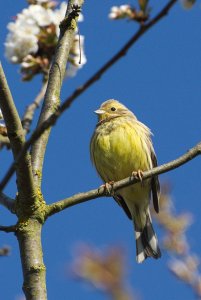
34, 271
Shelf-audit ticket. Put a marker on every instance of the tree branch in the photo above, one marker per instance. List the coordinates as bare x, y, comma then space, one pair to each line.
7, 202
4, 142
8, 229
34, 271
121, 53
16, 137
29, 113
10, 114
102, 191
52, 95
26, 119
51, 120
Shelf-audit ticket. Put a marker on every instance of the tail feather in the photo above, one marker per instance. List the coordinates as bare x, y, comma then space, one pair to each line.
146, 242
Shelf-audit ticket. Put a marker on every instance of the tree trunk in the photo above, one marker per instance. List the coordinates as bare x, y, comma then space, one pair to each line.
34, 270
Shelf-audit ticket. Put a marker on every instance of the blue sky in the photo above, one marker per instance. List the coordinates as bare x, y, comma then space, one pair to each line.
159, 79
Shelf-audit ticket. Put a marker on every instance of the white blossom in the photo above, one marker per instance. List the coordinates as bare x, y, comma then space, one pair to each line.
23, 24
41, 15
78, 49
77, 56
27, 63
124, 8
119, 11
71, 70
113, 12
78, 44
19, 45
42, 1
23, 39
1, 115
59, 13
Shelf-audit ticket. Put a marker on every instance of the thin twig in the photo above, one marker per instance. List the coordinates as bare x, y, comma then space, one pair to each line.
8, 229
51, 120
27, 118
101, 192
30, 110
122, 52
7, 202
10, 115
4, 142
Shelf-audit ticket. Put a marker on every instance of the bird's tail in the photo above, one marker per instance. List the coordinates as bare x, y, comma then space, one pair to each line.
146, 241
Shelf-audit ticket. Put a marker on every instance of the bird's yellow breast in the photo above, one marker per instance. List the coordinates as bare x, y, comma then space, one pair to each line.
120, 147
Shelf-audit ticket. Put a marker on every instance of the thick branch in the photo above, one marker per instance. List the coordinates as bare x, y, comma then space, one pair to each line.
51, 120
34, 271
52, 96
7, 202
101, 192
16, 137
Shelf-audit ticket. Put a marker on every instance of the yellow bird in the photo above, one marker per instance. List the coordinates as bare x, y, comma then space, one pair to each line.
120, 146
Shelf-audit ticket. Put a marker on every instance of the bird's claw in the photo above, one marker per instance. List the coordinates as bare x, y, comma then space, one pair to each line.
108, 188
138, 174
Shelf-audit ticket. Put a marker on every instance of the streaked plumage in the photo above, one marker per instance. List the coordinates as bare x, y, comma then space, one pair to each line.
120, 145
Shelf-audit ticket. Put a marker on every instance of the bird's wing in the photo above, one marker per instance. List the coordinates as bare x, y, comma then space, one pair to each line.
155, 185
119, 199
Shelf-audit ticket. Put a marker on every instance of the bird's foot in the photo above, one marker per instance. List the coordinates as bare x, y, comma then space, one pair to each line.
108, 188
139, 175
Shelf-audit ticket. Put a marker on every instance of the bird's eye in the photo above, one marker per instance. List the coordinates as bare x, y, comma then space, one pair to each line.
113, 108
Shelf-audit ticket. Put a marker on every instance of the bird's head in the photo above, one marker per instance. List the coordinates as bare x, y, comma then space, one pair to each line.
112, 109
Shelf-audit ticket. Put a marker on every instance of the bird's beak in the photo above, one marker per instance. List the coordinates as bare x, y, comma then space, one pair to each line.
99, 111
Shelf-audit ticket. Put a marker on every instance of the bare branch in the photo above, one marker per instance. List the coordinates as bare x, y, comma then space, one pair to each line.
27, 118
121, 53
101, 192
56, 76
16, 137
30, 110
10, 172
11, 117
51, 120
4, 142
7, 202
8, 229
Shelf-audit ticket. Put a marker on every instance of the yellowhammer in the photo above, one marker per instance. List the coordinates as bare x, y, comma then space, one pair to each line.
120, 146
